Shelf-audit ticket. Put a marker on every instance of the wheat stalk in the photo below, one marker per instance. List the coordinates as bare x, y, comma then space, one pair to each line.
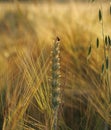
55, 83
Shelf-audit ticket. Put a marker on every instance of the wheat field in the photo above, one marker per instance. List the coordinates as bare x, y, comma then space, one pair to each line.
54, 73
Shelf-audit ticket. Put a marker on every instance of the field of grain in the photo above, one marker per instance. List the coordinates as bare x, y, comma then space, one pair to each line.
61, 45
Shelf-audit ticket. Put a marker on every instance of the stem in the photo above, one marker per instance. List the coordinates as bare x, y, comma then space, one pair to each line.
55, 119
102, 25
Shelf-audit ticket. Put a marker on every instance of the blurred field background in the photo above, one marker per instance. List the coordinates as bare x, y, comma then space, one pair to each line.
27, 34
